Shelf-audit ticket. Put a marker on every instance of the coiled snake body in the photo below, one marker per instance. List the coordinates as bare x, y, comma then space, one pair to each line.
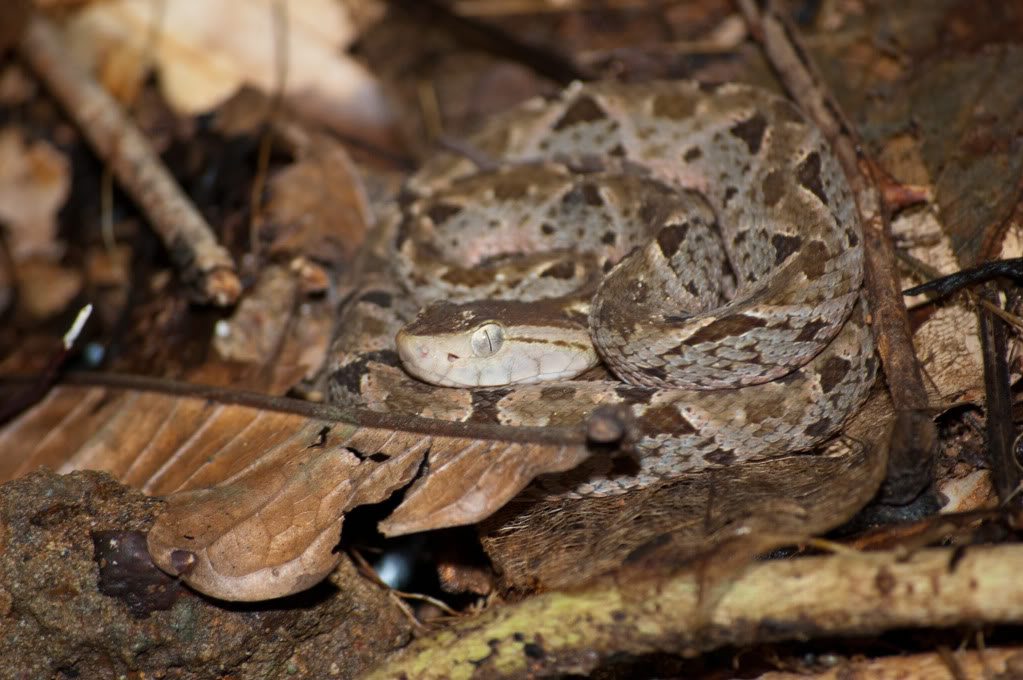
705, 239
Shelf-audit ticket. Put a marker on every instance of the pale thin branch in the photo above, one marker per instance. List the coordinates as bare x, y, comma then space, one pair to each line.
890, 323
203, 263
910, 469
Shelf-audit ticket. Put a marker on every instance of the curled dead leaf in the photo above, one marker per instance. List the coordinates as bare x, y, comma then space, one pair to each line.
272, 529
256, 497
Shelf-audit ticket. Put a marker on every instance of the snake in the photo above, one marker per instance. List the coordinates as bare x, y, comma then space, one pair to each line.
687, 254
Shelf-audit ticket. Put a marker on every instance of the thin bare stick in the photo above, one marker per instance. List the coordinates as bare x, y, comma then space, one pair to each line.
932, 273
203, 263
156, 24
890, 323
281, 50
367, 570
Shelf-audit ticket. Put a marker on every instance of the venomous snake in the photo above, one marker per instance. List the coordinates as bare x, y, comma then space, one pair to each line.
701, 240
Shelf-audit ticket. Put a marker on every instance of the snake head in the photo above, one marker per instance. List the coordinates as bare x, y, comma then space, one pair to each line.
488, 343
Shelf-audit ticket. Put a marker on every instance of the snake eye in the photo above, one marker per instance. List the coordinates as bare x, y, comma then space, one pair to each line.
487, 339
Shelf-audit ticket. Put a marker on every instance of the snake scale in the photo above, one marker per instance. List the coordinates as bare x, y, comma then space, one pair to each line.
704, 238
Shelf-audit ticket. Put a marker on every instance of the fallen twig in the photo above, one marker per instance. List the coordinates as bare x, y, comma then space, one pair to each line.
998, 400
890, 324
203, 263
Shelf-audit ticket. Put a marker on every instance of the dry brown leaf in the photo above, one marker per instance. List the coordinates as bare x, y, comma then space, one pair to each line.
257, 328
45, 287
965, 111
317, 216
271, 529
205, 51
317, 206
256, 498
35, 180
947, 342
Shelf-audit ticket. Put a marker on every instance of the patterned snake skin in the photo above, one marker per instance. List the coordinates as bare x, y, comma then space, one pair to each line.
722, 241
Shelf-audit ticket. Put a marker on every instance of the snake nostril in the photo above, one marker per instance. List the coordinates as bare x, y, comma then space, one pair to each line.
452, 357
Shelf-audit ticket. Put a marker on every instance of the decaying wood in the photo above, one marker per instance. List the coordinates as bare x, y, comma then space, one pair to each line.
203, 263
1003, 663
853, 594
